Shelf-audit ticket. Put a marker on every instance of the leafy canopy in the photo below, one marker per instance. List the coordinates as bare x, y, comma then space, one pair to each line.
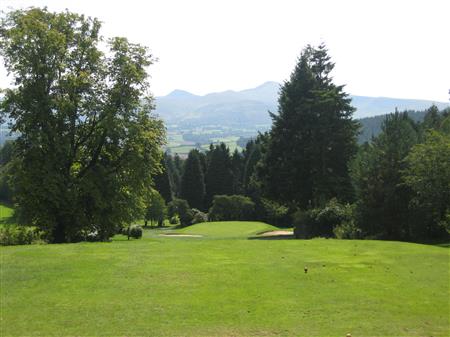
88, 145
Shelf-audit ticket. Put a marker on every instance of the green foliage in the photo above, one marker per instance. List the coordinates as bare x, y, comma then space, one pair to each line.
428, 174
180, 208
275, 213
231, 207
219, 176
174, 220
312, 138
135, 231
156, 210
198, 216
334, 218
192, 182
88, 146
6, 154
383, 207
162, 181
20, 235
174, 175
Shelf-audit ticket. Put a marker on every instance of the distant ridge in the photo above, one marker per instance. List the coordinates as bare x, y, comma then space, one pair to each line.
251, 106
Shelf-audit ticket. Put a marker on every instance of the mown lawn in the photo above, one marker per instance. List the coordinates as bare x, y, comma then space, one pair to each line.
5, 212
221, 286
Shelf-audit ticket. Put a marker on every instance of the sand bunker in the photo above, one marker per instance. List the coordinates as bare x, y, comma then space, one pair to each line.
276, 233
182, 235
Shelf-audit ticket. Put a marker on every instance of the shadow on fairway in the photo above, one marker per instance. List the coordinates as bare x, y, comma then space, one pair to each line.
273, 237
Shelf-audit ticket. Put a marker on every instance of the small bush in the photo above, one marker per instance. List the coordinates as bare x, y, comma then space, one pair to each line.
303, 224
135, 231
199, 216
347, 230
334, 219
174, 220
231, 207
182, 209
275, 214
20, 235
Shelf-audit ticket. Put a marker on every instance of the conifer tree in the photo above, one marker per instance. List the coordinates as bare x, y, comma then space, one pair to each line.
192, 182
219, 177
312, 138
162, 182
383, 199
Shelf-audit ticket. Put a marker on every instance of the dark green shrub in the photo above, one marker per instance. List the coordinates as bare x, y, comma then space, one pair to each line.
181, 208
20, 235
334, 219
135, 231
231, 207
303, 224
347, 230
275, 214
199, 216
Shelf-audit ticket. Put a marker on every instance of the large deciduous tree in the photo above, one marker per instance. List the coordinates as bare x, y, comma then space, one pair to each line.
312, 138
428, 174
88, 145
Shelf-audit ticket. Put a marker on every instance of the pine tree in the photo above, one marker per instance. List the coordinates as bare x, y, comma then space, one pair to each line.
237, 168
383, 199
312, 138
174, 175
192, 182
219, 178
162, 182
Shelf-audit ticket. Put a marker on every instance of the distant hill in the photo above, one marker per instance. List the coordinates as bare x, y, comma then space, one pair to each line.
251, 106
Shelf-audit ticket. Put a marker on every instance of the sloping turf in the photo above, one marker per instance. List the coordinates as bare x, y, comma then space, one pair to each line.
158, 286
5, 212
227, 229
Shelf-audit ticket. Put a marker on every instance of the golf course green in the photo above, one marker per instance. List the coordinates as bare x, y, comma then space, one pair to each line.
223, 284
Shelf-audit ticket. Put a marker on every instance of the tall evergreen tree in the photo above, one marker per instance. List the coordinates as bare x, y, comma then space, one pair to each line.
174, 175
432, 119
312, 138
219, 178
162, 182
192, 182
383, 199
237, 168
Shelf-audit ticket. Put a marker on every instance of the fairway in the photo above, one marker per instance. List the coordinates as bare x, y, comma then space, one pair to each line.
228, 229
225, 287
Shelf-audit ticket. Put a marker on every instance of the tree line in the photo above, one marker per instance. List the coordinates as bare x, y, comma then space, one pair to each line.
88, 159
309, 170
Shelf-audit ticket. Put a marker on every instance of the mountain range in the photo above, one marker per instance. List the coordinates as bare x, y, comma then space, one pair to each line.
251, 106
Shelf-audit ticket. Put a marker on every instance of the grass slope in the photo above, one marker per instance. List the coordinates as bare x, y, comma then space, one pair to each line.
227, 229
5, 212
205, 287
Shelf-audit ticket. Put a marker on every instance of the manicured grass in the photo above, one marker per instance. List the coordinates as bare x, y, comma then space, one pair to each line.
160, 286
5, 212
227, 229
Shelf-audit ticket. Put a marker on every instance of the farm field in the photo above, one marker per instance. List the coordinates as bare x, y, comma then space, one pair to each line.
223, 284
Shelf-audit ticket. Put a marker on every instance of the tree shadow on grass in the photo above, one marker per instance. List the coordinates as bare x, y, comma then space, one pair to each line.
443, 245
8, 221
272, 237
